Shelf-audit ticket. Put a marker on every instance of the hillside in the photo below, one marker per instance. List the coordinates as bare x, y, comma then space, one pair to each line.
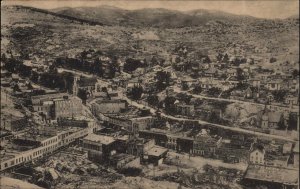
52, 35
150, 17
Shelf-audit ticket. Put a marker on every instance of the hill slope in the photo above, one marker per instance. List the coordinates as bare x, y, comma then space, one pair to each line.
150, 17
50, 35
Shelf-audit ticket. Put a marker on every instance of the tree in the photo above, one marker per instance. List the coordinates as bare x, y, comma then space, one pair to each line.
82, 94
295, 73
279, 95
97, 68
163, 79
240, 76
213, 91
236, 62
242, 86
16, 88
24, 71
3, 57
207, 59
292, 122
281, 124
184, 97
197, 89
184, 86
136, 92
272, 60
225, 58
169, 104
219, 57
131, 65
29, 86
214, 117
153, 100
163, 76
52, 69
112, 70
251, 61
131, 171
198, 102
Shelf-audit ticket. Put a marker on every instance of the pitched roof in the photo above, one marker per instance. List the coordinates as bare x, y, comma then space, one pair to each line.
274, 117
259, 147
157, 151
100, 138
211, 71
272, 174
84, 81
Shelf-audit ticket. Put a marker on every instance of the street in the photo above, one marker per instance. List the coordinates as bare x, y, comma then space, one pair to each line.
176, 89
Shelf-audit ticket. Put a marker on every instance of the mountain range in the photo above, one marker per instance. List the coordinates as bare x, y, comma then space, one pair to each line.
157, 17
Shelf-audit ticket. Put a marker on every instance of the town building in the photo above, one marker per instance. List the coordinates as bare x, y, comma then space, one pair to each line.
292, 100
109, 106
58, 105
138, 146
206, 145
257, 154
154, 156
118, 161
295, 155
169, 140
185, 109
274, 85
39, 143
270, 120
67, 107
13, 123
87, 84
78, 121
271, 176
142, 123
99, 147
287, 148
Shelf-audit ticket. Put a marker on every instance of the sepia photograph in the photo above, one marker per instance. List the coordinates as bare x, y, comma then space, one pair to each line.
149, 94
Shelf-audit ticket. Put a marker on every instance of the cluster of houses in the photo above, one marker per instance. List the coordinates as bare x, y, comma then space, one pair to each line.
116, 149
281, 172
261, 81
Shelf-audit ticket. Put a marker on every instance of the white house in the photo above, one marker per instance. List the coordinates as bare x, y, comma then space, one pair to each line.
274, 85
257, 154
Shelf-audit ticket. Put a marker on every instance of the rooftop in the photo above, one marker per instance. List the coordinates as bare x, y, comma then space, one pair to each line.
84, 81
207, 139
272, 174
258, 147
110, 101
47, 132
157, 151
100, 138
6, 156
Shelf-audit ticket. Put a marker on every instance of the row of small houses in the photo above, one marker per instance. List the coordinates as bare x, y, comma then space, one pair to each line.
206, 146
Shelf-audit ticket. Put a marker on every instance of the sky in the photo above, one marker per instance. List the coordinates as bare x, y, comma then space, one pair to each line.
256, 8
